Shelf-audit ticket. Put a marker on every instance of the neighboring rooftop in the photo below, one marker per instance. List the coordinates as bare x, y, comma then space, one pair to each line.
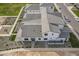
53, 18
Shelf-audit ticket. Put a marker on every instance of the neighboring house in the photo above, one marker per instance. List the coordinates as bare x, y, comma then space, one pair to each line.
77, 5
41, 23
70, 4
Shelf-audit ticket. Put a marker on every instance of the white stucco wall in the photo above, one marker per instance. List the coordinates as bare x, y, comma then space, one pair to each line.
50, 36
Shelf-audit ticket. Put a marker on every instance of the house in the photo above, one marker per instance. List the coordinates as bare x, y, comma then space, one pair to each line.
41, 24
77, 5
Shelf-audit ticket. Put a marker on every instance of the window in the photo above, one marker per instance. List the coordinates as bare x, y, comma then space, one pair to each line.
51, 41
25, 38
33, 39
39, 38
65, 41
51, 7
52, 34
61, 41
45, 38
45, 34
55, 41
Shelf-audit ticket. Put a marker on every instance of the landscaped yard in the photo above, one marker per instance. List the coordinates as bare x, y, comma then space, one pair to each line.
74, 41
76, 11
12, 37
55, 9
10, 9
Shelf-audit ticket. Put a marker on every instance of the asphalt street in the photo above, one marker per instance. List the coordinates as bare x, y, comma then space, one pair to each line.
69, 17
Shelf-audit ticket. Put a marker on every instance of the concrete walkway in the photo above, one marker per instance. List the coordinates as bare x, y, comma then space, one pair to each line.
73, 24
16, 20
33, 44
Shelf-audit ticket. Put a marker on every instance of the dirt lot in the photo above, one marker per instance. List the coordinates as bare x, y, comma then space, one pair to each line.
5, 30
31, 53
2, 19
41, 53
6, 23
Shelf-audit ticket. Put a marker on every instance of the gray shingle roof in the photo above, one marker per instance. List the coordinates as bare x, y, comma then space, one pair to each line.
55, 19
54, 28
64, 33
32, 22
32, 17
35, 6
55, 14
31, 31
46, 4
35, 30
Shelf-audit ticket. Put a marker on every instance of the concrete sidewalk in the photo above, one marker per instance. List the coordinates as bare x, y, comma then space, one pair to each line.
69, 8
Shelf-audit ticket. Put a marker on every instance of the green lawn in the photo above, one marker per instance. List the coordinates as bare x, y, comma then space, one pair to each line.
76, 11
74, 41
10, 9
